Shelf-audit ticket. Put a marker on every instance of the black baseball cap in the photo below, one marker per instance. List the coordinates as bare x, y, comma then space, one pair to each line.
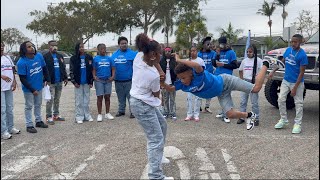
222, 40
208, 38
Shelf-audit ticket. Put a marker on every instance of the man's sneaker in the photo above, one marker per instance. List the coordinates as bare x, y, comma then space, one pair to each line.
31, 130
58, 118
131, 116
108, 116
50, 121
120, 114
250, 121
227, 120
79, 122
296, 129
99, 118
165, 160
281, 124
165, 116
174, 118
256, 123
188, 118
219, 115
240, 121
196, 119
168, 178
90, 120
6, 135
41, 125
208, 110
15, 131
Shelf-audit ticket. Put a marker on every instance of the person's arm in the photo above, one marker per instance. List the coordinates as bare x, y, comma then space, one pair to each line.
241, 74
113, 72
197, 67
169, 88
231, 66
162, 74
296, 85
94, 72
23, 79
156, 94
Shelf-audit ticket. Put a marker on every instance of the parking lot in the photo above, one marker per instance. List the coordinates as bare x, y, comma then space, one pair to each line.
209, 149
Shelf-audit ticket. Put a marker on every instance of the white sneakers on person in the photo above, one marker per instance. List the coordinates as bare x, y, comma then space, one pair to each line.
79, 122
168, 178
227, 120
6, 135
219, 115
251, 120
165, 160
99, 118
90, 120
15, 131
108, 116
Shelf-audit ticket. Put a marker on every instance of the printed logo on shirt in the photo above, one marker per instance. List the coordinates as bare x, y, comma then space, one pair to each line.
249, 68
223, 58
103, 63
56, 63
83, 64
196, 88
290, 60
35, 71
6, 67
120, 60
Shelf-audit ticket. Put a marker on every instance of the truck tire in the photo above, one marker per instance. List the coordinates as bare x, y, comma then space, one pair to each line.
272, 88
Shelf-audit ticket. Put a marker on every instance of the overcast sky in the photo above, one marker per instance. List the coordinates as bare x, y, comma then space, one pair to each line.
241, 14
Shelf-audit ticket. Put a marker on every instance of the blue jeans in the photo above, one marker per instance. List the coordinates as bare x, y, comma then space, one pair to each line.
169, 102
6, 111
55, 90
155, 128
82, 101
194, 103
254, 97
30, 101
123, 93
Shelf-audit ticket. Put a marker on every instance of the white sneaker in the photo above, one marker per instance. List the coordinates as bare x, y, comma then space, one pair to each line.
109, 116
90, 120
79, 122
168, 178
15, 131
250, 121
227, 120
99, 118
208, 110
6, 135
165, 160
219, 115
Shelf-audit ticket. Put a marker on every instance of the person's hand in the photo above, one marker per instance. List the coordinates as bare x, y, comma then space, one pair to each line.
6, 78
111, 79
14, 86
65, 82
76, 85
162, 77
90, 85
293, 92
35, 93
219, 64
95, 78
176, 56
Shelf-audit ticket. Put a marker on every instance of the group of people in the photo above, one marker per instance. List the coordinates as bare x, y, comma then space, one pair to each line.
148, 79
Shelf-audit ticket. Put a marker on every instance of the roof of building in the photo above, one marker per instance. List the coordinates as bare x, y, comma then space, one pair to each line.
256, 40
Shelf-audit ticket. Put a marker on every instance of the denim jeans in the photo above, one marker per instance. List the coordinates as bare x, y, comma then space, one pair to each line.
123, 93
194, 103
208, 101
6, 111
55, 90
82, 101
254, 97
155, 129
285, 88
169, 102
30, 101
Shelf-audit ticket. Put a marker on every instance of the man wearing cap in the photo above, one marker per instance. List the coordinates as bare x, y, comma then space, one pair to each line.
208, 57
226, 63
57, 73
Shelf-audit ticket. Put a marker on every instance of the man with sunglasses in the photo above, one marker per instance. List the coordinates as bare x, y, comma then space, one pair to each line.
57, 72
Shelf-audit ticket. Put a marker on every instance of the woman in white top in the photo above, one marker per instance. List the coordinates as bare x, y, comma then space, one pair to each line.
145, 101
246, 72
8, 85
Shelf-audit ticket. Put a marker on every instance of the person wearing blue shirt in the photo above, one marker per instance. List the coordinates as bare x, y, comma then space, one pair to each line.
225, 64
123, 61
296, 61
82, 79
33, 73
103, 74
58, 74
193, 78
208, 57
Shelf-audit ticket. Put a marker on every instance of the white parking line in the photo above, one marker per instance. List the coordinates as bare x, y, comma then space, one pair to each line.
22, 164
230, 165
207, 166
12, 149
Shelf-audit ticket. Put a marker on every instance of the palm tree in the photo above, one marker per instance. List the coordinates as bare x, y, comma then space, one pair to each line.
284, 14
267, 10
230, 33
166, 23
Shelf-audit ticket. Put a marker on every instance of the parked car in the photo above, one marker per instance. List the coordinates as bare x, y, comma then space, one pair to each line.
311, 76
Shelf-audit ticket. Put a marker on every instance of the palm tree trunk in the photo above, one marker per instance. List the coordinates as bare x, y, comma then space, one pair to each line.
270, 25
167, 36
283, 18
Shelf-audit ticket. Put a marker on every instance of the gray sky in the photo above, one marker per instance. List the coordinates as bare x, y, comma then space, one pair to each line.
241, 14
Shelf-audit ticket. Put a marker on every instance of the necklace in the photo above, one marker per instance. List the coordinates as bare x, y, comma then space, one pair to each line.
296, 53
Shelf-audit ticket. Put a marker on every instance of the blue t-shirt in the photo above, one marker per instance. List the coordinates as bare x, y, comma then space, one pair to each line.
208, 57
204, 85
226, 57
56, 66
294, 59
83, 79
123, 62
103, 66
32, 68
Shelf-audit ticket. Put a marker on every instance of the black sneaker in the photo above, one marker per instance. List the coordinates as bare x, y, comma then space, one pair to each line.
41, 125
200, 109
256, 123
120, 114
131, 116
31, 130
240, 121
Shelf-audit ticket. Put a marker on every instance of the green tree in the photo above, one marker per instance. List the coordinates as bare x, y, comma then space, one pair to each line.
306, 23
283, 4
267, 10
230, 33
11, 37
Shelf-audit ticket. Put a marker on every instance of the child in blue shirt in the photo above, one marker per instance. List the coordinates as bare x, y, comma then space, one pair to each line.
193, 78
